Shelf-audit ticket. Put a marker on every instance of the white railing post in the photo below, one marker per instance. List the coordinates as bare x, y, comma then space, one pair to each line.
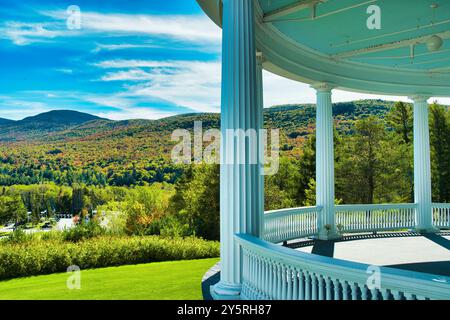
325, 162
240, 188
422, 166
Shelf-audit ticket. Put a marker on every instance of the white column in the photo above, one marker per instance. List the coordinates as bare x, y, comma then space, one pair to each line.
325, 162
240, 188
422, 166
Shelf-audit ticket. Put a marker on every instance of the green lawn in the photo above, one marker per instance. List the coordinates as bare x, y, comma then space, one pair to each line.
179, 280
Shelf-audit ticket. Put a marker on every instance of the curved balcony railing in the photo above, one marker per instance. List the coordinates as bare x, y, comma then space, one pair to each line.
272, 272
441, 215
289, 224
380, 217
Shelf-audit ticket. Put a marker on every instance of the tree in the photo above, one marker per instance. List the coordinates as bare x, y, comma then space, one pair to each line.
360, 162
12, 209
145, 207
440, 150
307, 169
77, 200
196, 203
400, 118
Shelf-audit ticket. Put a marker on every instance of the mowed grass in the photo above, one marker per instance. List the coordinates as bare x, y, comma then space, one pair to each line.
177, 280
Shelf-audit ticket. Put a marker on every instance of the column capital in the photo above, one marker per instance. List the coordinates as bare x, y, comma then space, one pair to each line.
323, 86
420, 98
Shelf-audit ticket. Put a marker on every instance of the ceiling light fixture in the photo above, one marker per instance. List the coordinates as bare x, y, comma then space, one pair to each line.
434, 43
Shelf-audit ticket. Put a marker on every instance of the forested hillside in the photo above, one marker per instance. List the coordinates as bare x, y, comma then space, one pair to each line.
124, 167
67, 148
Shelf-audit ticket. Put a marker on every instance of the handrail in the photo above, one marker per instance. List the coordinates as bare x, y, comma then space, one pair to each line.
274, 272
441, 205
291, 211
387, 206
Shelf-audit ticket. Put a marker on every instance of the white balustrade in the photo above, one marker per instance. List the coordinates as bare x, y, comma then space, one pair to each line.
369, 218
288, 224
441, 215
273, 272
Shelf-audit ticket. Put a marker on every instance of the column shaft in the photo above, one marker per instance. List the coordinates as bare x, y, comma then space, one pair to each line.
239, 174
325, 163
259, 173
422, 166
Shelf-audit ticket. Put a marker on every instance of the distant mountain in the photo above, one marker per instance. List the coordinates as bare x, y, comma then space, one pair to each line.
41, 125
61, 117
5, 121
295, 121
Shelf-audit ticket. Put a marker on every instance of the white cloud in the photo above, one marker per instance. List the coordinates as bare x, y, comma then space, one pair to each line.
130, 75
64, 70
136, 113
190, 84
193, 28
111, 100
196, 85
123, 46
17, 109
21, 33
121, 63
182, 27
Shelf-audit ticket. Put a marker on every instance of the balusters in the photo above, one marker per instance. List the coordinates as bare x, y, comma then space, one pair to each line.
278, 281
272, 280
289, 294
314, 285
344, 290
397, 295
374, 294
354, 291
337, 292
307, 286
409, 296
385, 294
328, 288
364, 293
268, 278
283, 283
321, 288
295, 290
302, 285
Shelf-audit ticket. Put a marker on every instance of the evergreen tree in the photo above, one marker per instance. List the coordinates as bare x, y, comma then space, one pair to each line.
440, 150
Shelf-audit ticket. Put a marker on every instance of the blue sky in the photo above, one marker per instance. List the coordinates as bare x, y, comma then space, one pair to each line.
130, 59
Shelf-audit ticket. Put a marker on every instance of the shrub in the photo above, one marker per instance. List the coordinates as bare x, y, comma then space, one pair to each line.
18, 236
82, 231
53, 255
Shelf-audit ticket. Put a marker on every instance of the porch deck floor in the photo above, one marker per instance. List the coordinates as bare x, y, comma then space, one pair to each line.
422, 253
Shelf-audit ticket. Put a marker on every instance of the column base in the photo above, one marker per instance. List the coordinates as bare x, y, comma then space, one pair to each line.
325, 234
429, 229
225, 291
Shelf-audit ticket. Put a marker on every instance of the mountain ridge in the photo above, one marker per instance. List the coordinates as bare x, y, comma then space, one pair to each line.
61, 125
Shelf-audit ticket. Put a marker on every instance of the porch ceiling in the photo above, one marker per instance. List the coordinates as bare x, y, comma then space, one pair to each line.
337, 46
